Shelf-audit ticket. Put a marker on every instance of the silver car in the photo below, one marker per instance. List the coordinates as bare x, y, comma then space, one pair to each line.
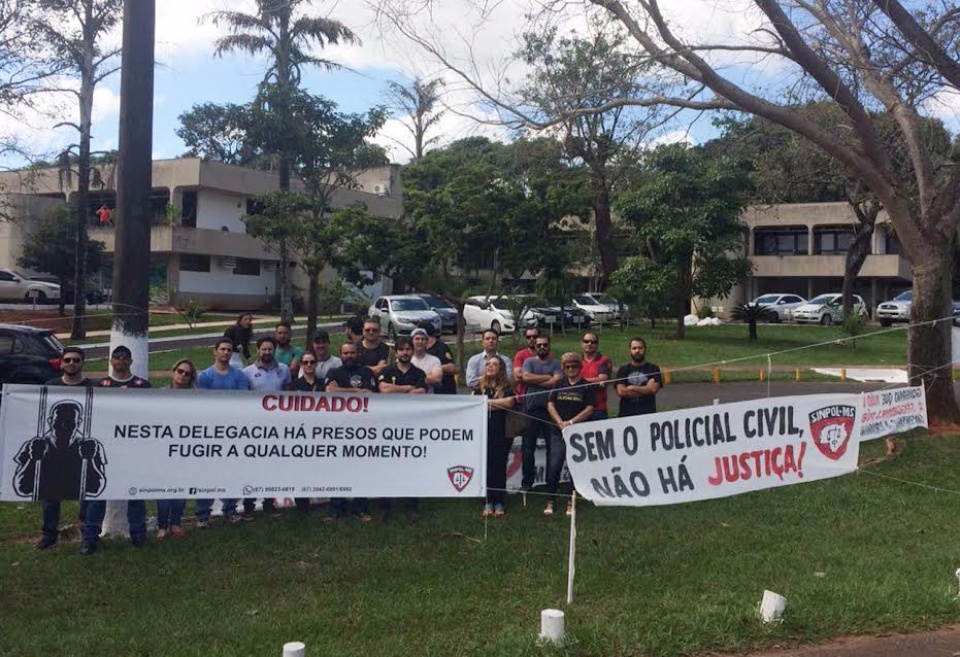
400, 314
780, 307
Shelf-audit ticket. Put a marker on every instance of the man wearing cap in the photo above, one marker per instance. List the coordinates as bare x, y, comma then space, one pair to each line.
326, 361
437, 347
286, 353
429, 363
120, 377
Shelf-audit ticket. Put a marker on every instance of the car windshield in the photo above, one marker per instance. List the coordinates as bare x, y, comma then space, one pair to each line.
904, 296
410, 304
437, 302
822, 299
767, 298
606, 299
585, 300
53, 342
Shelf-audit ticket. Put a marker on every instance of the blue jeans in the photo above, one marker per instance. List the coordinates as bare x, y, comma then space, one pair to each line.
170, 513
51, 517
539, 426
97, 509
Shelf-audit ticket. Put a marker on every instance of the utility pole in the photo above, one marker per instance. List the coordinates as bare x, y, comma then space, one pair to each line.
131, 265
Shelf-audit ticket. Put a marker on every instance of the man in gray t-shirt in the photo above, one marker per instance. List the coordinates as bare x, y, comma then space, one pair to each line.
540, 374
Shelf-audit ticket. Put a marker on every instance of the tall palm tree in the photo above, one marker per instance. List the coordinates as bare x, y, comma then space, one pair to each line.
278, 31
418, 102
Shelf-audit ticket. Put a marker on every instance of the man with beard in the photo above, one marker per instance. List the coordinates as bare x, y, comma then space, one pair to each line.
427, 362
350, 377
540, 374
265, 375
399, 378
371, 350
71, 365
597, 368
638, 382
441, 350
285, 352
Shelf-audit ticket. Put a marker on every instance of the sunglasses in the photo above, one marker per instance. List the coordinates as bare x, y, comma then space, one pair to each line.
571, 366
183, 372
591, 342
532, 337
543, 344
72, 360
308, 362
371, 330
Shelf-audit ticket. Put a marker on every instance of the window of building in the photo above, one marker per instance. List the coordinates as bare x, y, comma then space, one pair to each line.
194, 262
832, 241
188, 214
247, 267
780, 241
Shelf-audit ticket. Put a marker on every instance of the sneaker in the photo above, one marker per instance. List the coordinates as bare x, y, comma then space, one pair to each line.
569, 509
203, 524
88, 548
548, 510
499, 511
487, 511
161, 534
45, 542
138, 541
177, 531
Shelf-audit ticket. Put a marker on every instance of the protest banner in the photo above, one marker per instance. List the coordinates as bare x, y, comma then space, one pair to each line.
886, 412
67, 443
714, 451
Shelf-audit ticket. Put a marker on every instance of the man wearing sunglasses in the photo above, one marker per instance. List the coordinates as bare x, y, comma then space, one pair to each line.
71, 366
596, 368
540, 374
371, 350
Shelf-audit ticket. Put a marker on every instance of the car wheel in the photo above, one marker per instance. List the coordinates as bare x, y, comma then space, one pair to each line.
495, 326
773, 317
827, 319
41, 297
391, 332
885, 322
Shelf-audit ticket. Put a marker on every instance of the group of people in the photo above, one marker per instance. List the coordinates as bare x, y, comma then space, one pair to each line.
533, 394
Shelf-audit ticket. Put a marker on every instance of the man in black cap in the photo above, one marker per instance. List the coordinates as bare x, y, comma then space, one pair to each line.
437, 347
121, 376
326, 361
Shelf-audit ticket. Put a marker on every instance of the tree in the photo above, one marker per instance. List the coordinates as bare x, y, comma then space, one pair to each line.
276, 30
51, 247
74, 30
222, 133
418, 104
686, 211
570, 74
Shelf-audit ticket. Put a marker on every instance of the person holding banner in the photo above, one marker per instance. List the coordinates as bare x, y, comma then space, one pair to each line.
170, 512
495, 387
403, 377
572, 401
350, 377
638, 382
267, 374
71, 366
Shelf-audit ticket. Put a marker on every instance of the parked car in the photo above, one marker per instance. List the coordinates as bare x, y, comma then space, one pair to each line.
602, 308
780, 307
28, 354
489, 313
895, 310
402, 313
541, 313
827, 309
16, 286
446, 310
574, 317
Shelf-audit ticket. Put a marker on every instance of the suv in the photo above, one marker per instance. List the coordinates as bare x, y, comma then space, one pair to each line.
895, 310
15, 286
827, 309
402, 313
28, 354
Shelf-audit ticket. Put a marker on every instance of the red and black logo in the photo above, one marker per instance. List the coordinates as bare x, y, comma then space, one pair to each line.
832, 427
460, 476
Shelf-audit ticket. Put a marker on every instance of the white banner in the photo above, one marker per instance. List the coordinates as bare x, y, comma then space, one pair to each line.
886, 412
714, 451
61, 443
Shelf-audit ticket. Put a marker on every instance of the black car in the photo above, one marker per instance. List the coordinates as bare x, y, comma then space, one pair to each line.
576, 318
28, 354
446, 310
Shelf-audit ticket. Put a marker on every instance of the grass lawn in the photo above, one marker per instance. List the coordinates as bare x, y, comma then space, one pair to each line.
858, 554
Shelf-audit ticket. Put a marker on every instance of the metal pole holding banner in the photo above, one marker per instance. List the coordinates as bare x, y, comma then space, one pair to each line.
41, 416
571, 559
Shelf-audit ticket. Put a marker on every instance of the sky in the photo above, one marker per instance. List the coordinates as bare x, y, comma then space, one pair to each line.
476, 35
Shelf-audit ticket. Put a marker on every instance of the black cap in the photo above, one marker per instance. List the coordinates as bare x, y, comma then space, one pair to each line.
321, 336
121, 351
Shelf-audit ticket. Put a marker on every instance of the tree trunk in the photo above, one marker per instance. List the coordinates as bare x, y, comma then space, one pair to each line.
929, 342
461, 329
286, 303
79, 330
856, 256
313, 292
752, 330
604, 231
684, 283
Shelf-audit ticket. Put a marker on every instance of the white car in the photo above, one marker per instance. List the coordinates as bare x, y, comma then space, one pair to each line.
15, 286
780, 307
402, 313
601, 308
827, 309
489, 313
896, 310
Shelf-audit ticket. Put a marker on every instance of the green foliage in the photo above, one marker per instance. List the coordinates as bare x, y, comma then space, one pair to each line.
51, 247
192, 312
704, 311
645, 286
854, 324
751, 313
160, 294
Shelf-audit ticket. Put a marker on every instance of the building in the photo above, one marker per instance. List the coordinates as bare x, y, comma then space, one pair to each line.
198, 242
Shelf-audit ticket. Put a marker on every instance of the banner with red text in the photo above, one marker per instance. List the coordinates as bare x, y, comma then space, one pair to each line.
886, 412
100, 443
714, 451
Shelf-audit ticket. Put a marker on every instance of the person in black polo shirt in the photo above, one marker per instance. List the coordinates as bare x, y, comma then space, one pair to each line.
437, 347
638, 382
570, 402
351, 376
371, 350
402, 378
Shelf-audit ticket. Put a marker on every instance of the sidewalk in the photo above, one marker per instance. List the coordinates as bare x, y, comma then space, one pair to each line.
177, 327
944, 642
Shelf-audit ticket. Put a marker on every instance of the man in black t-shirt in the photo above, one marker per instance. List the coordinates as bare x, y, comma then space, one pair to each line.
371, 350
403, 377
638, 382
571, 401
437, 347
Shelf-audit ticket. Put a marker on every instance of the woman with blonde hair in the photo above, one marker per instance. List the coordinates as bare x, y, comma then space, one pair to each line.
170, 512
494, 386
